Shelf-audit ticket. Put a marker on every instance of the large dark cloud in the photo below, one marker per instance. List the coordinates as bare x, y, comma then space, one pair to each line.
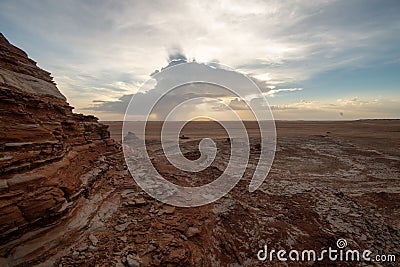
176, 53
167, 80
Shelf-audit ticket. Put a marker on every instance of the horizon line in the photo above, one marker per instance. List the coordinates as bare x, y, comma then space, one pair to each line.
294, 120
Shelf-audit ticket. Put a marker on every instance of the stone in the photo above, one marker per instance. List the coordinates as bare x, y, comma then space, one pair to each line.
92, 248
133, 260
93, 239
82, 248
192, 231
75, 255
169, 210
119, 264
122, 227
130, 137
140, 201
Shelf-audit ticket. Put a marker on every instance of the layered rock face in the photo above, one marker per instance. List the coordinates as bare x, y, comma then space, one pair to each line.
46, 150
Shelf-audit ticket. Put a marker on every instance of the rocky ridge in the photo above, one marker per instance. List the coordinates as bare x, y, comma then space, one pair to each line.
47, 152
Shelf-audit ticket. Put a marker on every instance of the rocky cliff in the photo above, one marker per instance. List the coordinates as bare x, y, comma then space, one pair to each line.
46, 150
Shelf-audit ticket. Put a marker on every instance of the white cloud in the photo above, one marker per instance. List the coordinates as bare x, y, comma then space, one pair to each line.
345, 108
273, 92
90, 46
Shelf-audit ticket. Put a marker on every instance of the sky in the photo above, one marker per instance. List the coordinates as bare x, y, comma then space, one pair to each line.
313, 60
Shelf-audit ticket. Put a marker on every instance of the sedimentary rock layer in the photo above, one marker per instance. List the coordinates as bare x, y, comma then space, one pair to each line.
46, 150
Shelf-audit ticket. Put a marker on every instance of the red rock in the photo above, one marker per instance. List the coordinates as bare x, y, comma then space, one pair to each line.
44, 147
192, 231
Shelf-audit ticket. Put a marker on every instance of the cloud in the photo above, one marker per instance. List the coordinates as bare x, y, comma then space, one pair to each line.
355, 101
273, 92
238, 104
262, 35
105, 50
175, 53
167, 80
234, 104
119, 106
344, 108
164, 91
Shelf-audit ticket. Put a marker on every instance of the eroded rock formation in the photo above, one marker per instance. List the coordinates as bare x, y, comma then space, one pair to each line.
46, 150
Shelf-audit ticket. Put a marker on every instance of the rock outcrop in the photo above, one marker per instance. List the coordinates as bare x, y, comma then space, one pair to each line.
19, 71
46, 150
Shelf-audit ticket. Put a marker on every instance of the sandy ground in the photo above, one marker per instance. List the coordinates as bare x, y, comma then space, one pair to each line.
383, 135
329, 181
